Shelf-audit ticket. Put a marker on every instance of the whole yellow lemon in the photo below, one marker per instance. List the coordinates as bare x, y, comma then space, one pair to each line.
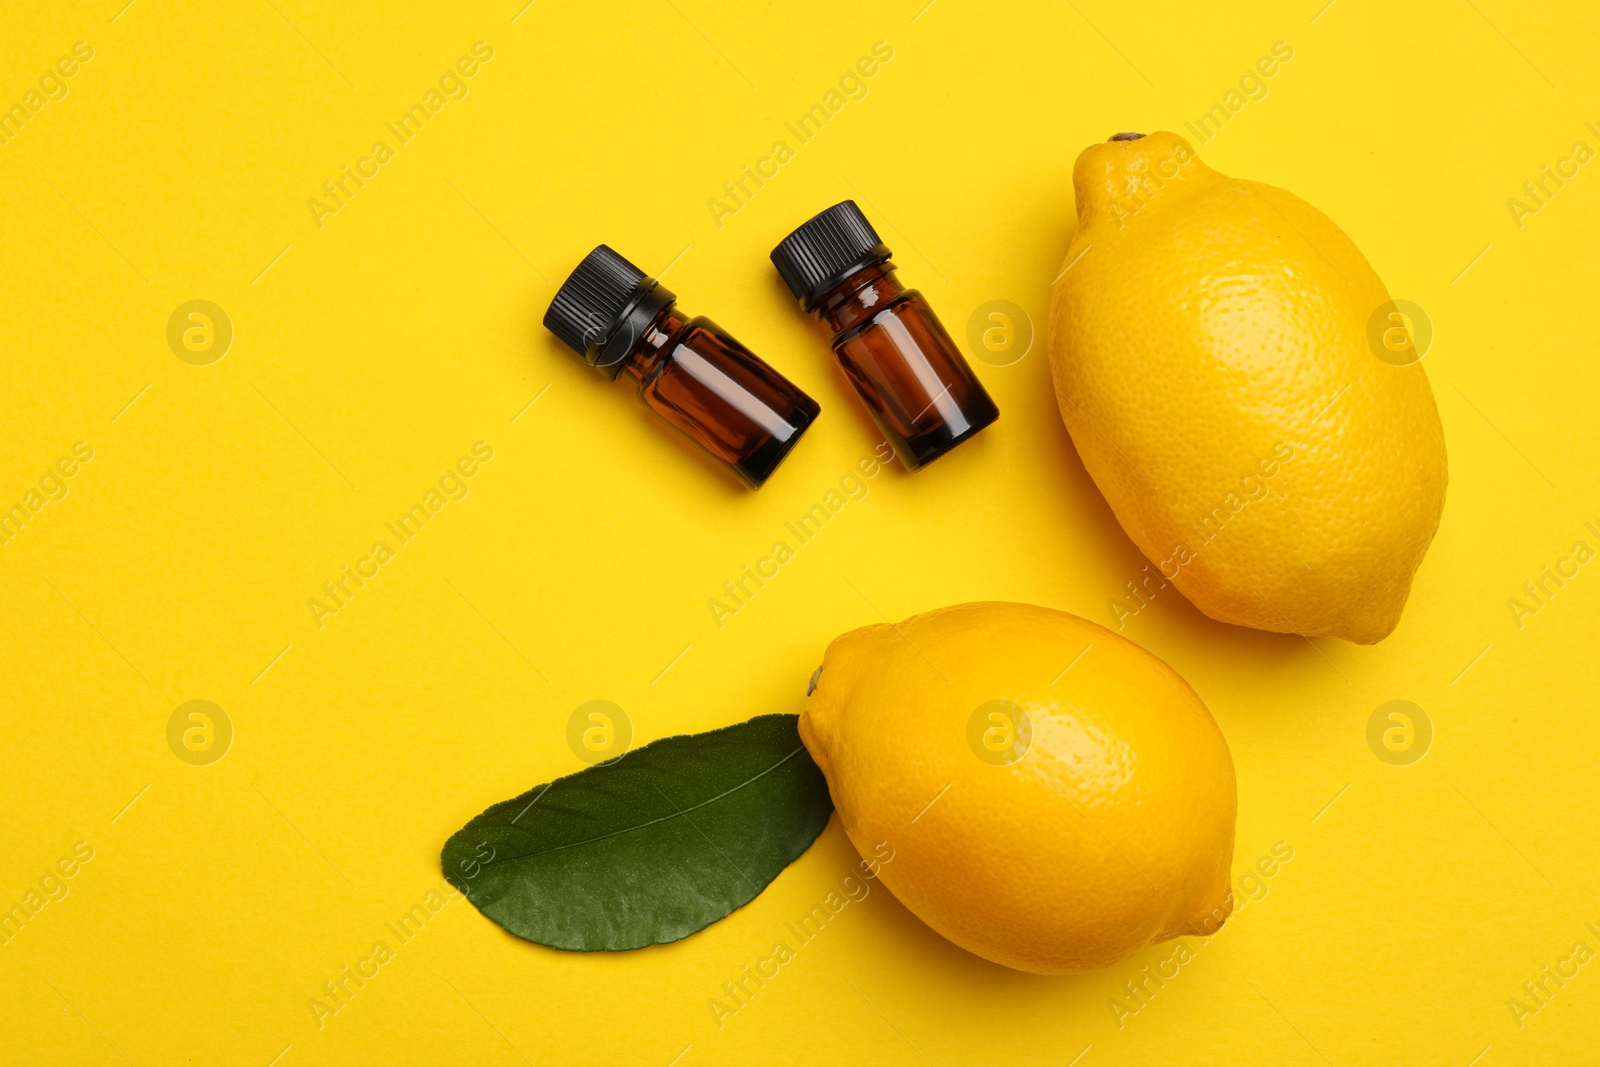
1053, 797
1245, 394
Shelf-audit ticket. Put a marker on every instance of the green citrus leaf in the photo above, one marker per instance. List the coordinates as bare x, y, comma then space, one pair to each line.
648, 848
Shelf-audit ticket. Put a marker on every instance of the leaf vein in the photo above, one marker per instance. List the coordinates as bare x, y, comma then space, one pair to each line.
681, 813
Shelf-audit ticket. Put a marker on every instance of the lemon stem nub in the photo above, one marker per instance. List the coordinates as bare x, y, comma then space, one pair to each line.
1126, 136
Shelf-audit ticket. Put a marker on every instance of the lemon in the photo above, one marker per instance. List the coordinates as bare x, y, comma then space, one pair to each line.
1052, 796
1244, 394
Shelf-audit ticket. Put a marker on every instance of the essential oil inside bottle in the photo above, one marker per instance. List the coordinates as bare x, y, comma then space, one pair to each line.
905, 367
688, 370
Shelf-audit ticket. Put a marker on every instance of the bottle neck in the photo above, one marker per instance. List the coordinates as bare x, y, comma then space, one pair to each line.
859, 297
655, 343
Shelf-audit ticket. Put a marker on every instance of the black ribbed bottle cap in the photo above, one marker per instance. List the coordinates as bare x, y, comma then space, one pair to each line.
827, 250
595, 311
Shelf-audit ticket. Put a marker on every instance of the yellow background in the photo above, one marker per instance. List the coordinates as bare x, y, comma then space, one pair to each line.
369, 354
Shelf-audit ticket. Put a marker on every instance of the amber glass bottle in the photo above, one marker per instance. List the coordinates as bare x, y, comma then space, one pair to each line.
901, 361
688, 371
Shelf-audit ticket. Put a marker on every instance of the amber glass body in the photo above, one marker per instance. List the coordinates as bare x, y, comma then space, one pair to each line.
916, 384
719, 393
